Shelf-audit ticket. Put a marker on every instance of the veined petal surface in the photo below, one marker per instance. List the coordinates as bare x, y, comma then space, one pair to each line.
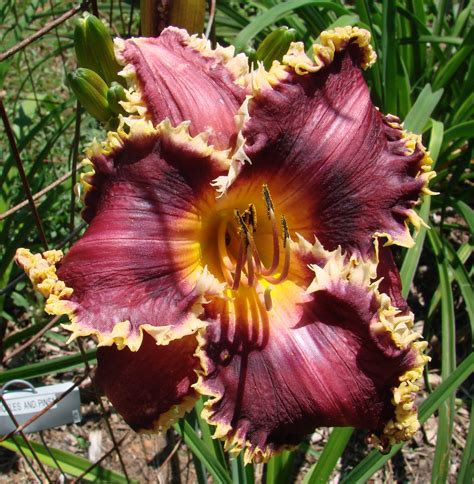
313, 124
137, 267
180, 78
150, 388
333, 359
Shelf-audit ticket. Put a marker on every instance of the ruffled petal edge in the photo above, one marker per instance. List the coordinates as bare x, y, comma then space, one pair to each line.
41, 269
391, 322
413, 144
237, 65
333, 42
172, 416
130, 128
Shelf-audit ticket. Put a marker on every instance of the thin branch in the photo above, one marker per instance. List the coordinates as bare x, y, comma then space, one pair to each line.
20, 428
39, 33
39, 194
75, 151
27, 442
95, 464
210, 22
24, 179
28, 343
104, 411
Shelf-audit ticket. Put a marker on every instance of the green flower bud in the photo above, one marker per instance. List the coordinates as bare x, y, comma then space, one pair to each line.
115, 94
275, 46
83, 53
102, 48
91, 91
95, 49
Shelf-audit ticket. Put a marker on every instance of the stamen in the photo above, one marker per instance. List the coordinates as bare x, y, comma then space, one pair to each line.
243, 226
248, 268
256, 256
250, 217
276, 247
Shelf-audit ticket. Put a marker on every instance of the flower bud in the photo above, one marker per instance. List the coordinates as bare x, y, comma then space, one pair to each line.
115, 94
275, 46
95, 49
91, 91
83, 53
102, 47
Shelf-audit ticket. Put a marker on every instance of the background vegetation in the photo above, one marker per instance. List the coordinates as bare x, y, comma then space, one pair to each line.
424, 74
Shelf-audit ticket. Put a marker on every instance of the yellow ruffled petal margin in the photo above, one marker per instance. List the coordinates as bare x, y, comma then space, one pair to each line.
400, 327
132, 127
41, 268
338, 269
333, 42
237, 65
173, 415
426, 174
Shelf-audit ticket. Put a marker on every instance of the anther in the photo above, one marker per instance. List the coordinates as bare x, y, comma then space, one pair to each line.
268, 200
244, 230
250, 217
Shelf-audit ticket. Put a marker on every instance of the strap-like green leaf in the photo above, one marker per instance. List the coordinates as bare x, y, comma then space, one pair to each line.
69, 463
278, 11
375, 460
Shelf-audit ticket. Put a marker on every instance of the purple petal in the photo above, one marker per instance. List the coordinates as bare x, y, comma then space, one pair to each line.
181, 79
336, 360
355, 170
150, 388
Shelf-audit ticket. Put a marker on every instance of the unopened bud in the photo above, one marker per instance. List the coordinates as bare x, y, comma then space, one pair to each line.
91, 90
102, 45
115, 94
83, 53
275, 46
95, 49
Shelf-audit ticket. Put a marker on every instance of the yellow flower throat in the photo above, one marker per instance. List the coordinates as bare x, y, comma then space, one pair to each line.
239, 257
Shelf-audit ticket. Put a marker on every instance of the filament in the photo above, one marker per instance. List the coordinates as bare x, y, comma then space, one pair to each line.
239, 266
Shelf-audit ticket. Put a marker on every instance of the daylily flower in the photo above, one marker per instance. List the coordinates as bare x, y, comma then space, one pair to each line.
237, 246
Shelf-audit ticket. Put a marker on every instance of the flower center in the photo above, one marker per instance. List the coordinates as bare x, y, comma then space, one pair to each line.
239, 257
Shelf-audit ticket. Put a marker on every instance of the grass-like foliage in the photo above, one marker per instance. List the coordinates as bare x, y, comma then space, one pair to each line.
424, 74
